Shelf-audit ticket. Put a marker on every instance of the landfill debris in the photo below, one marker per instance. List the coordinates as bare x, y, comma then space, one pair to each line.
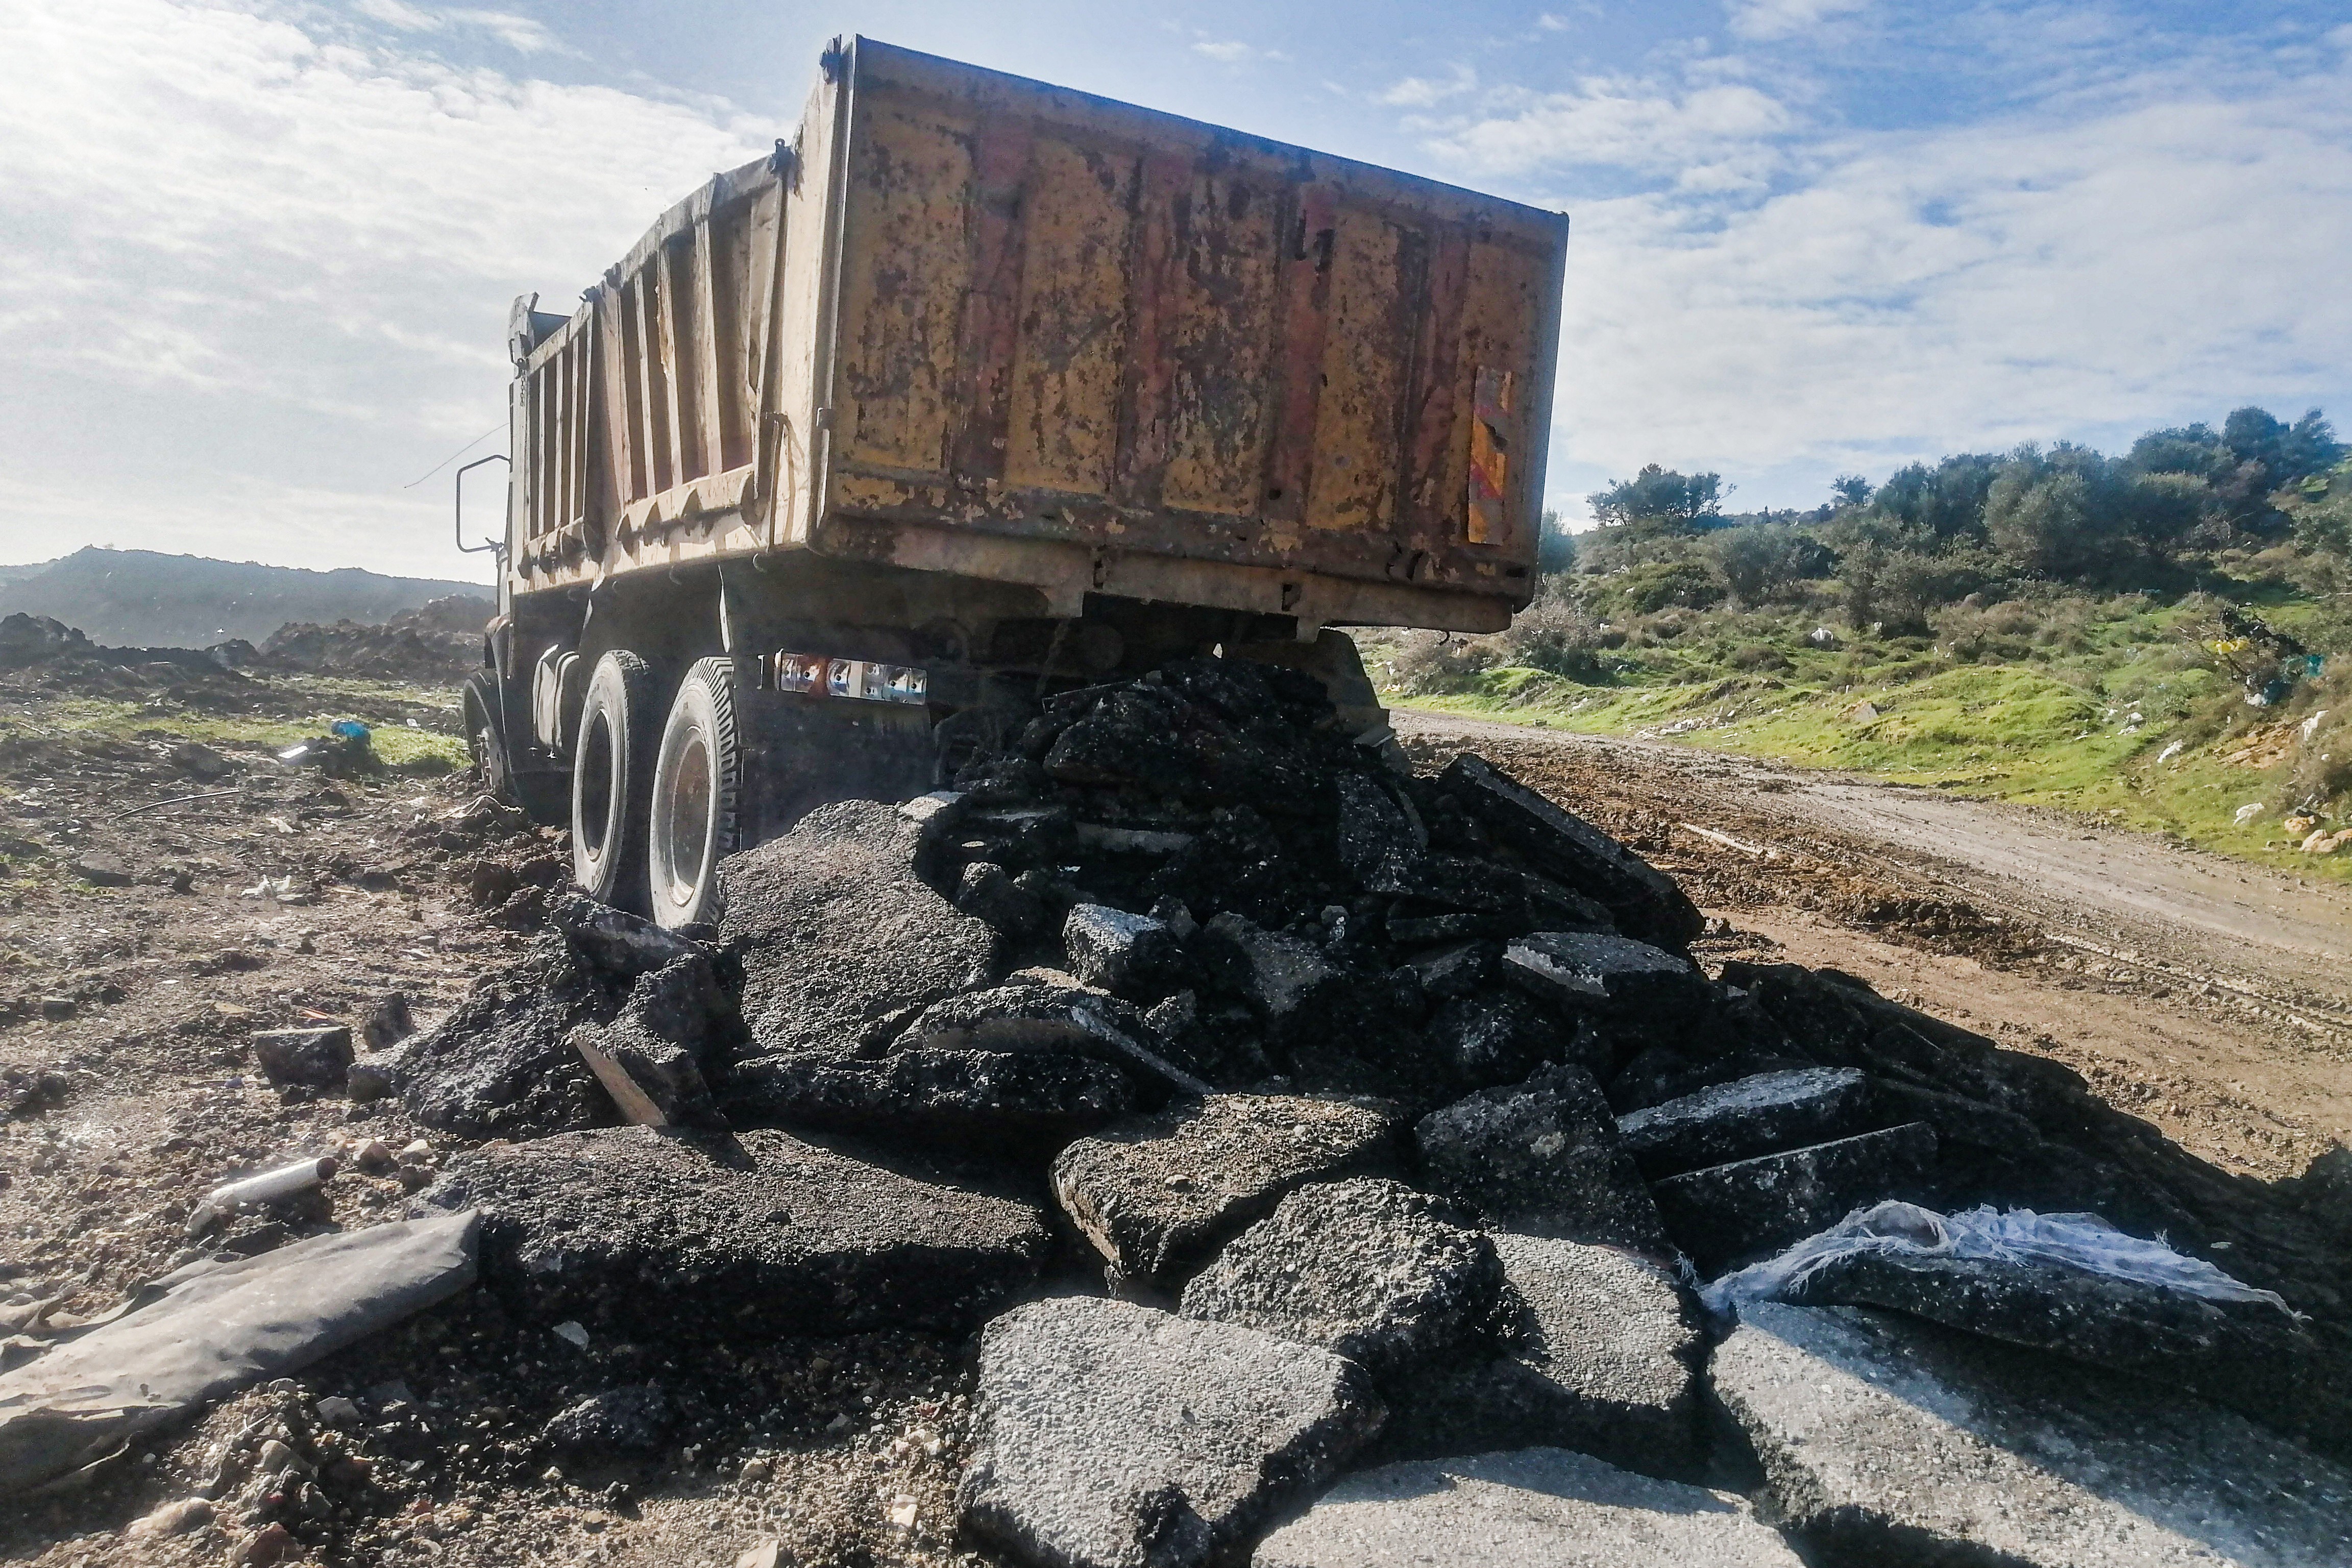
212, 1328
1507, 1510
1397, 1113
1110, 1435
1872, 1428
269, 1186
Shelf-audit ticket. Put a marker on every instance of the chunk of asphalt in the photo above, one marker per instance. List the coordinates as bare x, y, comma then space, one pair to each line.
1591, 972
1280, 976
1883, 1439
1366, 1268
1598, 1353
1761, 1115
836, 932
1517, 1510
1643, 901
1128, 954
641, 1231
2250, 1356
1493, 1038
1160, 1194
499, 1066
1542, 1158
1026, 1095
314, 1058
1726, 1216
1044, 1009
1372, 828
1111, 1435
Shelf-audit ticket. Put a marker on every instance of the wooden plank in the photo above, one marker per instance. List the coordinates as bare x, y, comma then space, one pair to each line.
991, 328
636, 1106
1146, 385
1307, 258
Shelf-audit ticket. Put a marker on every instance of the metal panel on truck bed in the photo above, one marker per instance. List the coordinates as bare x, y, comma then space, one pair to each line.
1066, 321
972, 323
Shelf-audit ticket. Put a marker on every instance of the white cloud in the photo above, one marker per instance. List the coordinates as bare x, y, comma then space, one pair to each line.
2155, 259
523, 34
277, 265
1616, 122
1765, 19
1426, 92
1228, 53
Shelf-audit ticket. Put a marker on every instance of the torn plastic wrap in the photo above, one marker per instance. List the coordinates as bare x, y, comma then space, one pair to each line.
2082, 1241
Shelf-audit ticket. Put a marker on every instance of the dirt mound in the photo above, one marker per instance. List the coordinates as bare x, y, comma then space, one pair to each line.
439, 643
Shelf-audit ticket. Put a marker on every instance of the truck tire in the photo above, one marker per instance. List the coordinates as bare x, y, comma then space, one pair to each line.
695, 821
612, 779
486, 743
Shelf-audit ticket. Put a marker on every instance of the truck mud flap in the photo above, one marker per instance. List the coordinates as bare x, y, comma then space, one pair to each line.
802, 751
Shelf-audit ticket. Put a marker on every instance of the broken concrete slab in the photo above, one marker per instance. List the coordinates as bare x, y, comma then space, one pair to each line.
1729, 1214
1761, 1115
2250, 1356
1159, 1195
1599, 1351
640, 1231
1542, 1158
1112, 1435
837, 934
1029, 1096
1515, 1509
316, 1057
1368, 1268
1883, 1439
210, 1329
1643, 901
1591, 972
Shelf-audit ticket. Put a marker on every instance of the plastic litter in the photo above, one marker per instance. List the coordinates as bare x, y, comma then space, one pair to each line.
2082, 1241
269, 1186
348, 730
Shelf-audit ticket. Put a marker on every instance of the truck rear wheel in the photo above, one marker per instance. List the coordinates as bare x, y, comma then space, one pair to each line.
696, 789
611, 777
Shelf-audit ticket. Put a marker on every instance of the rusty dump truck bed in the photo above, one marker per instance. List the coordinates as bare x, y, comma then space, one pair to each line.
973, 324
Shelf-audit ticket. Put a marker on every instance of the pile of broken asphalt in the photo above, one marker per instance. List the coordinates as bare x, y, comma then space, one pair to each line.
1298, 1160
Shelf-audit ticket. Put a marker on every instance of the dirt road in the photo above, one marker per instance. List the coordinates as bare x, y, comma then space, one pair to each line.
2212, 996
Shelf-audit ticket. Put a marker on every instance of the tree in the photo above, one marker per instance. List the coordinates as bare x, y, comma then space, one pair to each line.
1851, 489
2055, 514
1659, 499
1555, 546
1945, 502
1763, 561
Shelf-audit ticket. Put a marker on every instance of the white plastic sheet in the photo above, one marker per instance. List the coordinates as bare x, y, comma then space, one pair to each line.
2082, 1241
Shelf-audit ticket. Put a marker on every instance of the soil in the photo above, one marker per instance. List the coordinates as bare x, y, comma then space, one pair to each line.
289, 896
2204, 995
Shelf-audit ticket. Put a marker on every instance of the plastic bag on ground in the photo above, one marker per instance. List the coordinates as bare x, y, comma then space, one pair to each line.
2082, 1241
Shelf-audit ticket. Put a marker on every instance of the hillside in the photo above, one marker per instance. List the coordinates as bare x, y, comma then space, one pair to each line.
2154, 648
141, 599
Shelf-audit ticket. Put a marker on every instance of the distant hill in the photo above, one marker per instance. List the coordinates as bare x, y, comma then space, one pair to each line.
141, 598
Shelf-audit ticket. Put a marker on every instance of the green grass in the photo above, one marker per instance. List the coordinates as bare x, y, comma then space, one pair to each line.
383, 708
2033, 708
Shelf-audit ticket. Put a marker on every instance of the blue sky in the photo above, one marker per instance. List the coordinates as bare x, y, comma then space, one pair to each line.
255, 259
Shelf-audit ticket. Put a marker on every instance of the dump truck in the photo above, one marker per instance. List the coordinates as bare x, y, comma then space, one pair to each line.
974, 392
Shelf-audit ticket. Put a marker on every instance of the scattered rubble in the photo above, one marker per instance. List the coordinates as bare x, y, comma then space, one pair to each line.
637, 1231
1506, 1510
1113, 1435
1396, 1114
1874, 1429
1159, 1196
